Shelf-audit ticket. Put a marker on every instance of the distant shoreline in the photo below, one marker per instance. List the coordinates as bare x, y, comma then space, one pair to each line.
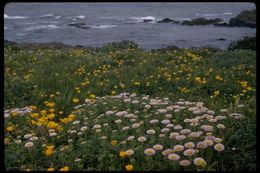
60, 45
244, 43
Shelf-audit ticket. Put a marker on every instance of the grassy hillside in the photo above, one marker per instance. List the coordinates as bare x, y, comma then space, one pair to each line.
62, 86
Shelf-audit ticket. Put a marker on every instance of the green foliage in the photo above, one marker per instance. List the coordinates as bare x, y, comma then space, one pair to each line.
245, 43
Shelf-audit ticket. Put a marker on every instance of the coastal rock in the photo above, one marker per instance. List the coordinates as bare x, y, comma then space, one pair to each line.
165, 20
201, 21
79, 25
221, 39
221, 24
147, 20
245, 18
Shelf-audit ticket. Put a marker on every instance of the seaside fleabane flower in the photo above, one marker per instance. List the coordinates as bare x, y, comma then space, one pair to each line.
158, 147
189, 145
129, 152
141, 139
184, 163
28, 144
173, 157
189, 152
219, 147
149, 151
208, 142
178, 148
199, 162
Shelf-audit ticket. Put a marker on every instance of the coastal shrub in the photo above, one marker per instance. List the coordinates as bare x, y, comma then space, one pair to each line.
119, 46
245, 43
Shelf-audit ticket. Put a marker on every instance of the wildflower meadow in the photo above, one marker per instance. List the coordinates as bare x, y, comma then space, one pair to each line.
123, 108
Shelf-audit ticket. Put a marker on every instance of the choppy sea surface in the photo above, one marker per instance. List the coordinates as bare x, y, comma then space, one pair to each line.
102, 23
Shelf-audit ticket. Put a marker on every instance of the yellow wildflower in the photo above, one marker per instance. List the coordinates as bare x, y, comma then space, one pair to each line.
129, 167
64, 120
113, 142
52, 125
33, 107
92, 96
218, 78
60, 128
122, 154
49, 150
35, 115
65, 168
10, 128
14, 114
43, 112
71, 117
51, 116
137, 83
243, 83
216, 93
33, 122
75, 100
50, 169
50, 104
7, 141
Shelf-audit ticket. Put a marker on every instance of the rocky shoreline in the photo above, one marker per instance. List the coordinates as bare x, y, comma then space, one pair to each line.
244, 19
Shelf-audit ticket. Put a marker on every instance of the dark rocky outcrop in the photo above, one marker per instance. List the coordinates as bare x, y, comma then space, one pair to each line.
147, 20
221, 39
165, 20
79, 25
221, 24
168, 20
201, 21
245, 18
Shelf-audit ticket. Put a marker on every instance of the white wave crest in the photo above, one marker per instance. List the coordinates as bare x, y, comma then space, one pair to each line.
47, 15
141, 19
103, 26
212, 14
80, 17
42, 27
14, 17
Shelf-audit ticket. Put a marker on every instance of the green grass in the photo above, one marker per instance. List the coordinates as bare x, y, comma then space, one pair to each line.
31, 76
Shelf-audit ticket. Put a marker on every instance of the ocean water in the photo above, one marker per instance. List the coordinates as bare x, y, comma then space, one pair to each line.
102, 23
